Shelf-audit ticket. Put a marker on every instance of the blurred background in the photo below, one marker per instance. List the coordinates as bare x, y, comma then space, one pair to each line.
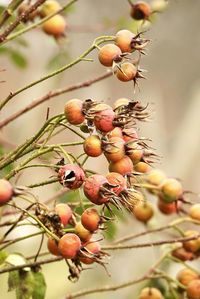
172, 88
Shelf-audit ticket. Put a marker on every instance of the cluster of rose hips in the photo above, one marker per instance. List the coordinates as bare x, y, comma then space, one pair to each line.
55, 26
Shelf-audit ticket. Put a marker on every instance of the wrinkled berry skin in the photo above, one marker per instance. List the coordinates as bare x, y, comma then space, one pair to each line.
71, 176
92, 189
6, 191
69, 245
117, 179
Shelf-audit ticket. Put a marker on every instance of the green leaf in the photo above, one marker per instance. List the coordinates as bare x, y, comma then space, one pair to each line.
18, 59
3, 256
25, 286
69, 9
21, 41
13, 280
16, 259
39, 286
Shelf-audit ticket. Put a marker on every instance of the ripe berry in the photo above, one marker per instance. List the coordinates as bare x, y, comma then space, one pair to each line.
55, 26
134, 151
71, 176
92, 248
103, 118
64, 212
115, 178
92, 146
73, 112
93, 189
185, 276
121, 102
108, 53
84, 234
116, 132
182, 254
114, 150
150, 293
171, 190
49, 7
193, 245
193, 289
69, 245
123, 40
143, 211
53, 247
6, 191
129, 134
166, 208
194, 211
141, 167
123, 166
90, 219
155, 177
127, 73
140, 11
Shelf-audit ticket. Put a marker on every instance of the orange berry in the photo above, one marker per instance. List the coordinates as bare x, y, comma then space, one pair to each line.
6, 191
123, 166
108, 53
194, 211
123, 40
128, 73
90, 219
73, 112
193, 245
92, 146
185, 276
84, 234
150, 293
55, 26
143, 211
69, 245
193, 289
64, 212
53, 247
171, 190
141, 167
140, 11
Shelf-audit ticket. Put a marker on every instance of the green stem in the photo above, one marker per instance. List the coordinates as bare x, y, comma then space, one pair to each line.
60, 70
20, 239
43, 183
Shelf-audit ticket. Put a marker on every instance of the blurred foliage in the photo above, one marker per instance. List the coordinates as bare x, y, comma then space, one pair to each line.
58, 60
8, 168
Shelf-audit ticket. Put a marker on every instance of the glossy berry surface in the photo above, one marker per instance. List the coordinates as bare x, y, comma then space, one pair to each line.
69, 245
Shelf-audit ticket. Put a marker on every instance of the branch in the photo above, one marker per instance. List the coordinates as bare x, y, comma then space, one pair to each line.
156, 243
9, 10
52, 94
96, 42
21, 18
31, 264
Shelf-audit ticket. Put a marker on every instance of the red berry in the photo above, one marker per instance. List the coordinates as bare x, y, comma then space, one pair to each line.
182, 254
53, 247
73, 112
93, 189
84, 234
185, 276
115, 178
123, 166
140, 11
193, 289
166, 208
103, 118
64, 212
150, 293
92, 248
69, 245
6, 191
90, 219
171, 190
114, 150
71, 176
127, 73
123, 40
108, 53
92, 146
